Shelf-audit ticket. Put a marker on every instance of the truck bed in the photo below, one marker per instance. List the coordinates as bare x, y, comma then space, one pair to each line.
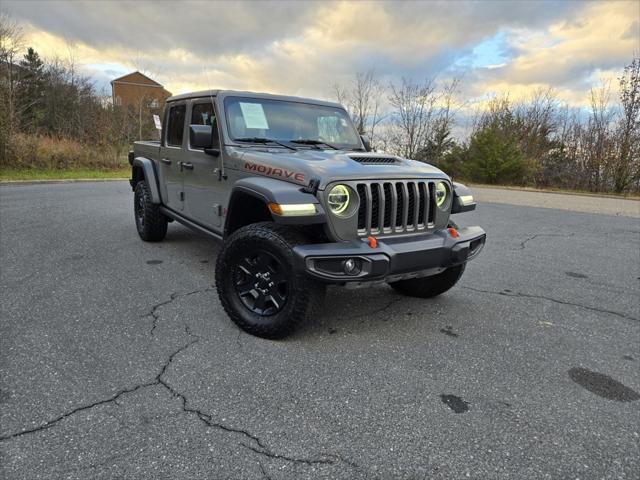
149, 149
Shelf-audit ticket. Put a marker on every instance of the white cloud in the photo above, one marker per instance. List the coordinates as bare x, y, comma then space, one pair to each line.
303, 48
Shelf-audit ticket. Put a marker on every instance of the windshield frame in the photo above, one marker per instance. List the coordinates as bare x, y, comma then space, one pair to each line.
341, 146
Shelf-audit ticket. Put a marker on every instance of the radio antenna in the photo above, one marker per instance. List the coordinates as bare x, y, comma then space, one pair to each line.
222, 175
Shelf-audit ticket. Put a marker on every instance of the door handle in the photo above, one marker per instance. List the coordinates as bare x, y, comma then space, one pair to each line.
187, 165
166, 161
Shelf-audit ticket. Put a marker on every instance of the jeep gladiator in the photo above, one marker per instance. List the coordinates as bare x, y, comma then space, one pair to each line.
299, 202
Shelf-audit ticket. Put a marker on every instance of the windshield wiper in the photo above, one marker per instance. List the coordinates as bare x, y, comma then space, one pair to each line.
310, 141
264, 140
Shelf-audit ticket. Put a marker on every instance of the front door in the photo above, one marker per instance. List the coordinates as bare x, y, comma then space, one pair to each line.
171, 154
203, 183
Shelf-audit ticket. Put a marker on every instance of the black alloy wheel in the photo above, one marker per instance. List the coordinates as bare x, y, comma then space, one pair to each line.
140, 208
261, 283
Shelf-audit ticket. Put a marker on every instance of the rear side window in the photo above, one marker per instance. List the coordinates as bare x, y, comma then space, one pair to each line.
175, 129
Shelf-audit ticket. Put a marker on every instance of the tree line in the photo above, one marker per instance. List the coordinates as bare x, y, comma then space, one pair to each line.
537, 142
52, 117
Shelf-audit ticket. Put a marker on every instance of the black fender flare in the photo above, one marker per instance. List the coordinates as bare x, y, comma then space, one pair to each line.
461, 203
150, 176
271, 190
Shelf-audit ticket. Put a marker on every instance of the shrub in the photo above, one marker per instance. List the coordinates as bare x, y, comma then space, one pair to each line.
494, 157
43, 152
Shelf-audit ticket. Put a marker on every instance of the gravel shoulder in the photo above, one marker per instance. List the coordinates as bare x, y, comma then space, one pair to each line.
561, 201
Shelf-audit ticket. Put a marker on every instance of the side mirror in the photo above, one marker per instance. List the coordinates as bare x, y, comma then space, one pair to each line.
200, 136
366, 142
205, 137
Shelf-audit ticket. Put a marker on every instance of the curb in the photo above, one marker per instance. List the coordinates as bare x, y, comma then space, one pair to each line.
556, 192
62, 180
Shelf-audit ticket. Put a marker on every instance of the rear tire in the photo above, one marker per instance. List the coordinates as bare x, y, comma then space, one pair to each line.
260, 283
428, 287
150, 222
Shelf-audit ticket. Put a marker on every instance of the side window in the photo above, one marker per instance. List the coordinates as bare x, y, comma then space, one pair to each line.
203, 114
175, 129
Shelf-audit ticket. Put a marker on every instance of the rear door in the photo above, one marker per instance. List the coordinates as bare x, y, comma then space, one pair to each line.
203, 185
171, 155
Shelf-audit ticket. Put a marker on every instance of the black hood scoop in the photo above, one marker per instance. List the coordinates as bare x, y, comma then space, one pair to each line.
373, 160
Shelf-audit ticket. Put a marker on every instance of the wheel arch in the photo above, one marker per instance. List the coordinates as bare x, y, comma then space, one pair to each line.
250, 198
144, 169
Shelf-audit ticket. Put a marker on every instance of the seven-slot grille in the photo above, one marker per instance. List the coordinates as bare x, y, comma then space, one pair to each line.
395, 207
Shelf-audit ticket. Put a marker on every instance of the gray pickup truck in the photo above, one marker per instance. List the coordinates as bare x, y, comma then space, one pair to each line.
300, 202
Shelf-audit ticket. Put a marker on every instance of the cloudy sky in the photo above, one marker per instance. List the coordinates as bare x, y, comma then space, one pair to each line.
303, 48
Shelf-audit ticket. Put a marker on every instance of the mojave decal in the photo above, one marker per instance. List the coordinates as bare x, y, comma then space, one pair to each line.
275, 172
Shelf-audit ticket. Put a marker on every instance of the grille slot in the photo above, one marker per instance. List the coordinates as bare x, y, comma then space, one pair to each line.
395, 207
362, 212
374, 160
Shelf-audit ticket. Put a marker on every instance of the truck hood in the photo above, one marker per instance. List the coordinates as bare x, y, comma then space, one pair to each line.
327, 166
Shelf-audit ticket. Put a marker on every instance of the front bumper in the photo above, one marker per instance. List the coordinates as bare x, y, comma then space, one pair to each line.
394, 258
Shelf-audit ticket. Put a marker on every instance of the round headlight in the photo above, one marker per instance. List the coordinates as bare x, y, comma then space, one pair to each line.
441, 193
338, 199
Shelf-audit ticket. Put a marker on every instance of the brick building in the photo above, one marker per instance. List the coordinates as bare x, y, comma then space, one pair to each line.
138, 90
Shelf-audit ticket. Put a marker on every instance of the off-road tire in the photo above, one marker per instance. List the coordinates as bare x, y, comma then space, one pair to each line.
427, 287
304, 295
150, 222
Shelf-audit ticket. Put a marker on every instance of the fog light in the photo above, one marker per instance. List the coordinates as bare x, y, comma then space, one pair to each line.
352, 266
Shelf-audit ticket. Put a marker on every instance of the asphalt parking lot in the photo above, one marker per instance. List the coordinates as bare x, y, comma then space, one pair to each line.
117, 361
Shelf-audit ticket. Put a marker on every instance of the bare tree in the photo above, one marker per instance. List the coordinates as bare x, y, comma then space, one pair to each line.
414, 109
597, 140
625, 168
11, 44
363, 99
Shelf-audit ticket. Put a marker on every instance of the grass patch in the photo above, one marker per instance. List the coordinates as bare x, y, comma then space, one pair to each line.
17, 174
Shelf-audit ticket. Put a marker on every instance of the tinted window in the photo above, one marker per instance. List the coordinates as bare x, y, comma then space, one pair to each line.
284, 120
175, 129
202, 114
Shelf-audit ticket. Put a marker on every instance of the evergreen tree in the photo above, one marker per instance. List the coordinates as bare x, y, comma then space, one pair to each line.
31, 90
495, 157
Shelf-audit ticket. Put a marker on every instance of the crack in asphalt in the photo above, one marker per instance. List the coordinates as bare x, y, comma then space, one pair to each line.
259, 446
172, 297
555, 300
264, 472
206, 418
523, 243
111, 399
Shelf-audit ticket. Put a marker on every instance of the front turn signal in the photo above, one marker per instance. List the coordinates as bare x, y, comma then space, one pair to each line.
454, 233
293, 210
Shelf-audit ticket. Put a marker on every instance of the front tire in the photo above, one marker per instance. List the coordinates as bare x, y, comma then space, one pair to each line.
260, 284
150, 222
428, 287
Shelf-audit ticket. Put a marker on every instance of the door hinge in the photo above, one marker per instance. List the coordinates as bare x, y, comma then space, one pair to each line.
182, 196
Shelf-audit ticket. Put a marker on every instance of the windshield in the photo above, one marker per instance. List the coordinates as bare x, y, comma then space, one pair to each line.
290, 121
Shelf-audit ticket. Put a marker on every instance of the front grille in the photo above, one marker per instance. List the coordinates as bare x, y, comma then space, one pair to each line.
395, 207
374, 160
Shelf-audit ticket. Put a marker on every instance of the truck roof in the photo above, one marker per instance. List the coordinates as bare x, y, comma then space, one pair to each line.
234, 93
